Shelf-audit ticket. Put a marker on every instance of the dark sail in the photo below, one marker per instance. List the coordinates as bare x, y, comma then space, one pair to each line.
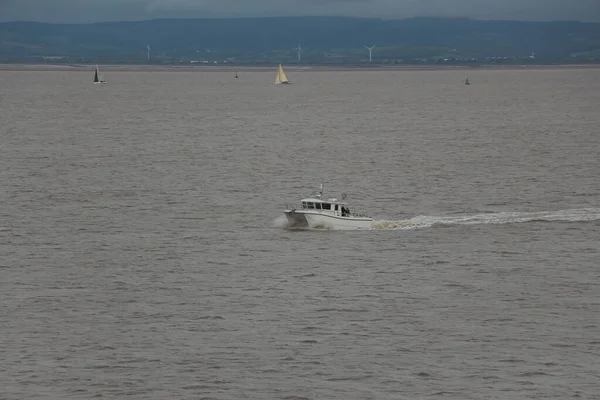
96, 76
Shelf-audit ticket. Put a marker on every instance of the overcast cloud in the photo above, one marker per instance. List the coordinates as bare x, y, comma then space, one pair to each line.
121, 10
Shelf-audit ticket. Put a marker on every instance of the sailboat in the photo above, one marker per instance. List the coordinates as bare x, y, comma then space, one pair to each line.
97, 77
467, 82
236, 75
281, 78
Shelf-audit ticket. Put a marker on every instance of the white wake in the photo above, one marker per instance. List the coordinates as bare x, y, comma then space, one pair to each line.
423, 221
280, 222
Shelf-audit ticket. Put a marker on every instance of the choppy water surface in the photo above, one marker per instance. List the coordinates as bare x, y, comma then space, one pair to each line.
140, 255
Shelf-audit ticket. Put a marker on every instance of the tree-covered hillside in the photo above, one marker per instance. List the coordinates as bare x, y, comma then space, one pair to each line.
323, 39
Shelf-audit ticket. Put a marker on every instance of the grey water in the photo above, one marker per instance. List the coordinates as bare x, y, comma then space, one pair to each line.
143, 256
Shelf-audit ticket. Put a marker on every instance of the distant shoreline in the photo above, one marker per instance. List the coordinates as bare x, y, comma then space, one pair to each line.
249, 68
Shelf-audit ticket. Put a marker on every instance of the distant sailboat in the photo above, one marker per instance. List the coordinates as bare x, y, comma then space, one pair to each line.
236, 75
97, 77
467, 82
281, 78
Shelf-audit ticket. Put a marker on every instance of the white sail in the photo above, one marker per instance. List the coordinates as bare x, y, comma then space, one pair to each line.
281, 78
97, 77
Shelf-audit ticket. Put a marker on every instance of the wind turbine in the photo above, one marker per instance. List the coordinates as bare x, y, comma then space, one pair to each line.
148, 48
299, 51
370, 51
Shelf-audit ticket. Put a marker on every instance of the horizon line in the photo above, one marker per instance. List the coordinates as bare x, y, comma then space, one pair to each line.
303, 17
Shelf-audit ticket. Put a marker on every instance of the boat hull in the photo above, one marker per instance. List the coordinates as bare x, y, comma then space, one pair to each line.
315, 220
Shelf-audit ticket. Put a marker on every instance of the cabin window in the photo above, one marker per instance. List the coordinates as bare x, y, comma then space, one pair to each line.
303, 204
336, 207
326, 206
311, 206
318, 206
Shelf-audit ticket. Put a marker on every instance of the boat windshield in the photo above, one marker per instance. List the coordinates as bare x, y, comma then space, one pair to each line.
308, 205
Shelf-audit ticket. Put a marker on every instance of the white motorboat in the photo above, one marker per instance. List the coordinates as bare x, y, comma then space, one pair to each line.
318, 213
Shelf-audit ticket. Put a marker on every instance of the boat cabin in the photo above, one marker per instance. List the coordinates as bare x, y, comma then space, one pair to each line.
329, 206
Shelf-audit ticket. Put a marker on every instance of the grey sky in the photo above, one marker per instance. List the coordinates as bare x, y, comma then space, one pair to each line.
119, 10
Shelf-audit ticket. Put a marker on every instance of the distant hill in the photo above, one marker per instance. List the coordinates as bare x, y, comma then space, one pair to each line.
323, 39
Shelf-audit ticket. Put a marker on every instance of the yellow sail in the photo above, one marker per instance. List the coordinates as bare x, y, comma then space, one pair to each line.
281, 78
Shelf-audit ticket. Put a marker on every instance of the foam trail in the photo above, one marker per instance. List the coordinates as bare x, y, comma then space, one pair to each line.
422, 221
281, 222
